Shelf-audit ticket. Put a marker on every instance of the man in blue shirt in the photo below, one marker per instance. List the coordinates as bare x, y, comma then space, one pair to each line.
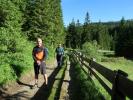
59, 54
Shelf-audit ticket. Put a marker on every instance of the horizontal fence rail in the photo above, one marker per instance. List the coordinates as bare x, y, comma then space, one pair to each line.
121, 85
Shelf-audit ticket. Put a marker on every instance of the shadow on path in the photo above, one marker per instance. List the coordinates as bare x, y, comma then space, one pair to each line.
71, 88
17, 96
21, 83
44, 92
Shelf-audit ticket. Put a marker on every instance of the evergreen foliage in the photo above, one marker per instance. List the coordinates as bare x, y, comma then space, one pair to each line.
116, 36
15, 51
20, 21
124, 43
44, 19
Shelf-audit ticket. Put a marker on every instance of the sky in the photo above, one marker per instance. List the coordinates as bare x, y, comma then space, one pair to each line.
99, 10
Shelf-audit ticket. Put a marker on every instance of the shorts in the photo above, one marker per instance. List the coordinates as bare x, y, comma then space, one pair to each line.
41, 67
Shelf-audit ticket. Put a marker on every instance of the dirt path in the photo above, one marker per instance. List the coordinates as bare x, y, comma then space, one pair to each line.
22, 89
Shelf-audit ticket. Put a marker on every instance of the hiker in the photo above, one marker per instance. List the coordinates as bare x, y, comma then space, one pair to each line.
59, 54
39, 54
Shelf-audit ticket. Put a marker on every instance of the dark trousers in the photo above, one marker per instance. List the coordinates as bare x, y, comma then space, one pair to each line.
59, 59
41, 67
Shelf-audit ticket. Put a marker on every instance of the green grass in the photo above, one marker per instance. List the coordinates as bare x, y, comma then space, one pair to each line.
115, 63
85, 88
102, 90
120, 63
13, 65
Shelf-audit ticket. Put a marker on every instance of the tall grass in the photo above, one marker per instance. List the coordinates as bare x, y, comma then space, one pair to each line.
13, 65
115, 63
85, 88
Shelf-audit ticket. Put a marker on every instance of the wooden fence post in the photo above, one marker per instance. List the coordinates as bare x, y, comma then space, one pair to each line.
116, 94
90, 67
81, 58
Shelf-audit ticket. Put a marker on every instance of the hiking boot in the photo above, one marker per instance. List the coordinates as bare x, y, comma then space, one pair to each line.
35, 86
46, 87
38, 86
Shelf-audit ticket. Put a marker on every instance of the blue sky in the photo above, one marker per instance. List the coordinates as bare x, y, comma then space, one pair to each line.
103, 10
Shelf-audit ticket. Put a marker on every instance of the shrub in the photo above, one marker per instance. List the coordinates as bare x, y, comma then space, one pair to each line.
91, 50
6, 71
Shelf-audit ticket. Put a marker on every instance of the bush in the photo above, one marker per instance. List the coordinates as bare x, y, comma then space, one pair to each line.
6, 71
15, 55
91, 50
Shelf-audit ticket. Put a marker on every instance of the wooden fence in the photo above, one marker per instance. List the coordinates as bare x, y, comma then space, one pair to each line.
121, 85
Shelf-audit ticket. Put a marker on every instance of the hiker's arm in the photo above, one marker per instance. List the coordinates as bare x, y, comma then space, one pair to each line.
45, 54
43, 59
62, 51
55, 53
33, 56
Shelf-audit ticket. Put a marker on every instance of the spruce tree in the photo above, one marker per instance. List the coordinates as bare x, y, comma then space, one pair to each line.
86, 36
104, 38
38, 17
78, 34
44, 19
87, 19
58, 29
14, 49
71, 36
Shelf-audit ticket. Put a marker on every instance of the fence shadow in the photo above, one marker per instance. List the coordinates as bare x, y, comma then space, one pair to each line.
25, 84
61, 80
44, 92
71, 88
17, 96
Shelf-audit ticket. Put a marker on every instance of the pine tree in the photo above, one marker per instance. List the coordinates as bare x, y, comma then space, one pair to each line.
78, 34
87, 19
86, 36
14, 48
71, 36
44, 19
124, 44
58, 28
38, 18
104, 38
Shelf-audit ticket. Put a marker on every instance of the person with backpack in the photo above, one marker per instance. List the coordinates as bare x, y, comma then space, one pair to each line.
59, 54
39, 55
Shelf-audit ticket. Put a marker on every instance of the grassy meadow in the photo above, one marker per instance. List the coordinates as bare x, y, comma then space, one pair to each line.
114, 63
